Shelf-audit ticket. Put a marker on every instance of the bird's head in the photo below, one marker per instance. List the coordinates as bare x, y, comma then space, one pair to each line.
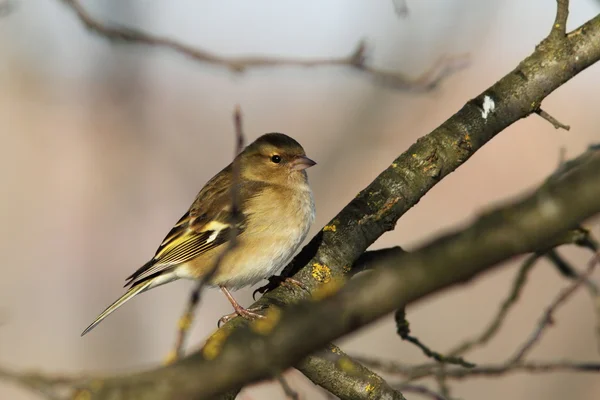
275, 158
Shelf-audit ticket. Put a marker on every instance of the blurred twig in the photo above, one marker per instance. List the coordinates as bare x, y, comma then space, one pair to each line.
7, 7
401, 8
507, 304
403, 330
420, 389
357, 60
236, 218
427, 370
547, 317
287, 389
51, 388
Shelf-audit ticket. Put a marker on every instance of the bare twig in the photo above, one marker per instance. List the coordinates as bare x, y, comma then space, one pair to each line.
547, 316
357, 60
421, 389
401, 8
559, 29
556, 123
403, 330
507, 304
289, 392
441, 379
7, 7
529, 366
236, 216
426, 370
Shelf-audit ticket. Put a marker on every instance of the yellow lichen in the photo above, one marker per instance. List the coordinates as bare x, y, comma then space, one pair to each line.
214, 344
329, 228
321, 272
347, 365
369, 388
264, 326
328, 289
170, 358
346, 269
185, 322
96, 384
82, 395
394, 165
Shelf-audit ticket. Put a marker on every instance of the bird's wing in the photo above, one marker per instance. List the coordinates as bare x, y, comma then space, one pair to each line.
204, 227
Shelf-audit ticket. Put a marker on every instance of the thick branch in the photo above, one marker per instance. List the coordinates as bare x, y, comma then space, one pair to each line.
253, 352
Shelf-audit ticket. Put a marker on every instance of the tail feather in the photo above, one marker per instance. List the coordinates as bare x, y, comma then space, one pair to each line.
135, 290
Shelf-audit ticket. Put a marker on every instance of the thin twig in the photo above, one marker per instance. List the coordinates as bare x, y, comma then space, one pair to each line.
530, 366
357, 60
400, 8
236, 217
441, 379
289, 392
426, 370
7, 7
403, 330
420, 389
559, 29
547, 316
556, 123
514, 295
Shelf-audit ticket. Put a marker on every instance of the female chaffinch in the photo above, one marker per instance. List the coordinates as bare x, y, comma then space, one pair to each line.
277, 209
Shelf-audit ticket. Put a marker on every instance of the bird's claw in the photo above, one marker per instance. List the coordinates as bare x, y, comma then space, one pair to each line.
246, 313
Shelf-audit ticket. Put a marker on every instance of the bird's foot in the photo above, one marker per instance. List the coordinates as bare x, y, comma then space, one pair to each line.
246, 313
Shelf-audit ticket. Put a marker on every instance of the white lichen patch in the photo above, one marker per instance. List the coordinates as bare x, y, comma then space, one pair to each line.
488, 106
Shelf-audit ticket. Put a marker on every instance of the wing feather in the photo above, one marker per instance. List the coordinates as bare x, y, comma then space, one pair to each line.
204, 227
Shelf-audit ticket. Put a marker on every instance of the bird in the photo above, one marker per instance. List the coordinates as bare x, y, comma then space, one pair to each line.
276, 210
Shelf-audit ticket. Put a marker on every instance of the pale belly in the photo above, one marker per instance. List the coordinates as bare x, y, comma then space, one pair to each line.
260, 254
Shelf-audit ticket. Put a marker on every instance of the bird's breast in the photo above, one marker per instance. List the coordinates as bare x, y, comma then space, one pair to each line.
275, 228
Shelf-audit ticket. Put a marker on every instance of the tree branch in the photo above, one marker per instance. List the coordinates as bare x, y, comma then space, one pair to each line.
444, 66
559, 29
374, 211
345, 376
251, 353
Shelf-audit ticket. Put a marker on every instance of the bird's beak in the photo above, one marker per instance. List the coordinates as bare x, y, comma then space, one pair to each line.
302, 162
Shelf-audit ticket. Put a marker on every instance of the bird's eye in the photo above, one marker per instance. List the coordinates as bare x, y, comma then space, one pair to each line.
276, 159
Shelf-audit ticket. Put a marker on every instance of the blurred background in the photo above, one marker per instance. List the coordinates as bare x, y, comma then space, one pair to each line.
103, 146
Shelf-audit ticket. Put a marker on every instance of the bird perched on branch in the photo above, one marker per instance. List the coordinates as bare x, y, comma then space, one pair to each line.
276, 209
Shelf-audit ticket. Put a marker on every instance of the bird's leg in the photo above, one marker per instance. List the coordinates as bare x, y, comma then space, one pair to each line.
248, 313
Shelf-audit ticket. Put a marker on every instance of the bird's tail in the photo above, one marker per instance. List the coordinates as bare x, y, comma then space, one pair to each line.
133, 291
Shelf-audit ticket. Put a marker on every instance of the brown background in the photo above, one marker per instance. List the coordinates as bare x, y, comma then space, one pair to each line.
104, 146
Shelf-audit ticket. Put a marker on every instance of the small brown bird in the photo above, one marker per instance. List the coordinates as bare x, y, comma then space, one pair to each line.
277, 209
